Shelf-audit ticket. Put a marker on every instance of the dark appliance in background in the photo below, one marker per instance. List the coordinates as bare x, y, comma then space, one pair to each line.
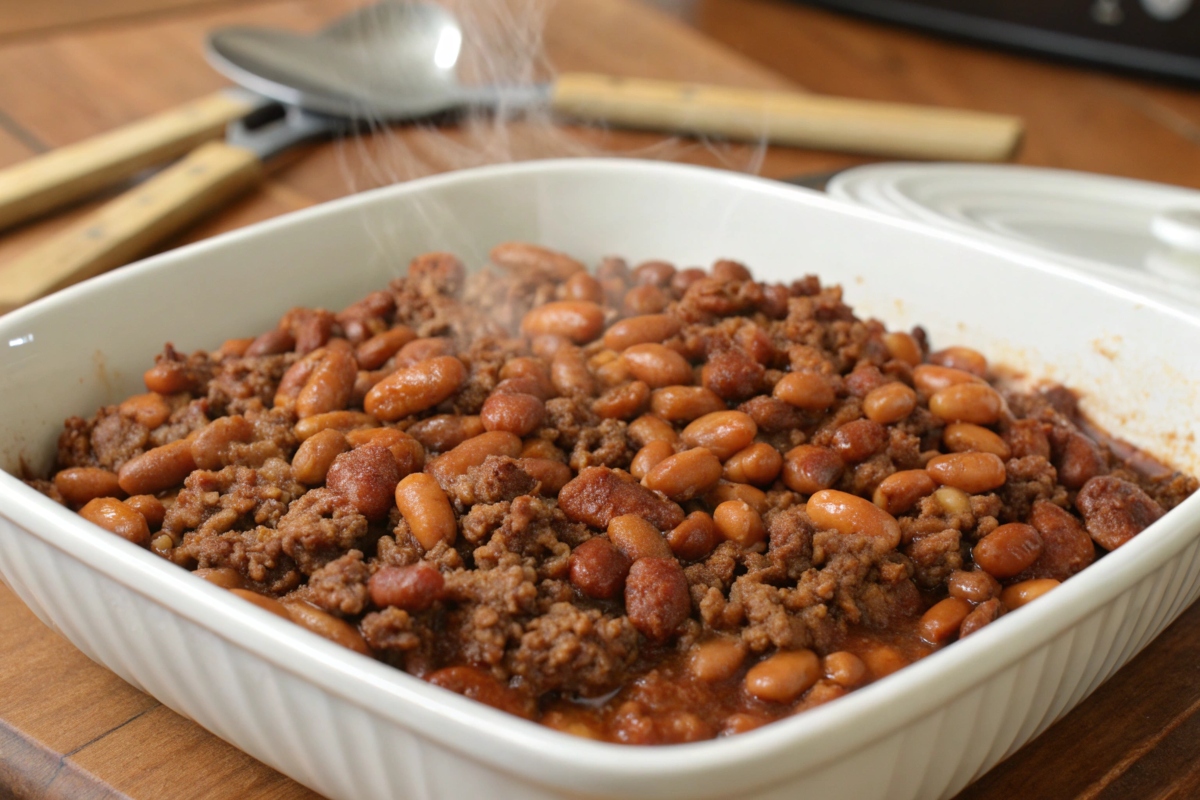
1156, 37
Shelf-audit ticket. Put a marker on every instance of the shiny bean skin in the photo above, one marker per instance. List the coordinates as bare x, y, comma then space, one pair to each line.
685, 475
930, 378
975, 586
657, 365
519, 414
644, 300
414, 587
327, 625
211, 444
272, 343
650, 456
79, 485
882, 660
695, 537
367, 477
785, 676
654, 273
580, 321
648, 328
148, 410
582, 286
529, 369
684, 403
553, 475
374, 352
538, 261
445, 431
315, 456
726, 269
889, 403
408, 452
569, 373
636, 538
942, 621
859, 440
750, 495
1024, 592
650, 428
900, 491
341, 421
737, 521
903, 347
809, 469
417, 388
844, 668
656, 597
973, 473
759, 464
427, 510
167, 377
716, 660
116, 517
543, 449
976, 403
623, 402
810, 391
964, 437
847, 514
723, 433
225, 577
963, 358
598, 568
265, 603
451, 465
419, 350
953, 501
150, 507
157, 469
1008, 550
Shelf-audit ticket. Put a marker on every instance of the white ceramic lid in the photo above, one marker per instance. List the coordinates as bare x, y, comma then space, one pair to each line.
1134, 232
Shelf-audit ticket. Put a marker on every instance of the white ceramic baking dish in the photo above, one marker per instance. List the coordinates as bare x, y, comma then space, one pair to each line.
350, 727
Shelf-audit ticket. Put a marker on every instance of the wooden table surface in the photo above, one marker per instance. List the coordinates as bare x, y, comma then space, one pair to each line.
72, 68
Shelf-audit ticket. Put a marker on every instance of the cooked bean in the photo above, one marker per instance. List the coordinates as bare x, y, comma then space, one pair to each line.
900, 491
716, 660
225, 577
759, 464
889, 403
750, 495
864, 380
341, 421
597, 494
150, 507
657, 365
784, 676
942, 620
539, 262
648, 328
654, 273
930, 378
963, 437
212, 444
974, 587
904, 347
644, 300
1008, 550
859, 440
426, 509
481, 687
695, 537
623, 402
722, 432
650, 428
582, 286
272, 343
809, 469
953, 501
684, 279
976, 403
419, 350
449, 466
1024, 592
157, 469
737, 521
315, 456
656, 597
408, 452
262, 601
598, 568
78, 485
650, 456
684, 403
414, 587
367, 477
372, 353
518, 414
569, 373
327, 625
445, 431
551, 474
963, 358
148, 410
974, 473
529, 369
983, 614
1115, 510
882, 660
1066, 546
844, 668
685, 475
168, 377
416, 388
636, 538
116, 517
542, 448
850, 514
1027, 437
810, 391
578, 320
1079, 460
732, 374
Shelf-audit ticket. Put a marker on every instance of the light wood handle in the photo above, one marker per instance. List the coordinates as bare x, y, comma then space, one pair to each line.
47, 181
792, 118
126, 227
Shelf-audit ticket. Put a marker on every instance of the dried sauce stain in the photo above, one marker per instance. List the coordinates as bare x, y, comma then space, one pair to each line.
516, 559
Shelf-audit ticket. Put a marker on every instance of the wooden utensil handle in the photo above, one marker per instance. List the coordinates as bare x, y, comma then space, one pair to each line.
126, 227
47, 181
792, 118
